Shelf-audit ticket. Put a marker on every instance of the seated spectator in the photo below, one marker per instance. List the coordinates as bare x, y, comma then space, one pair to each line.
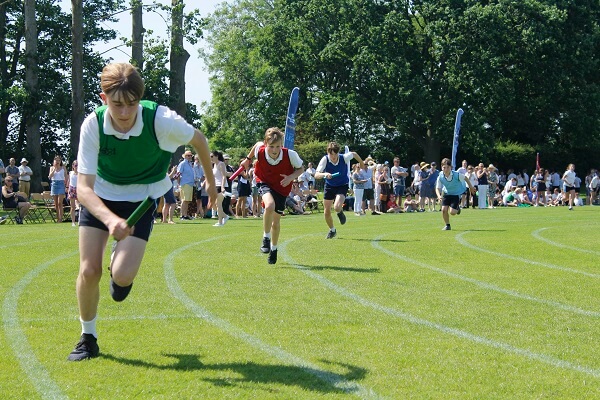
577, 201
13, 200
410, 204
392, 207
511, 199
294, 205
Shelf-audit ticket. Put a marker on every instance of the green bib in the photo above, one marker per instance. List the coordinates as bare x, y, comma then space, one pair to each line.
137, 160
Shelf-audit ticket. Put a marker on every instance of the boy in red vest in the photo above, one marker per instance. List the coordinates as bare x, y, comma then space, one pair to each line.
276, 168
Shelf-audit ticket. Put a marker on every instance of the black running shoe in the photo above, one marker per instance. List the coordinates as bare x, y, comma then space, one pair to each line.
331, 234
273, 256
342, 217
266, 246
85, 349
446, 228
458, 212
119, 293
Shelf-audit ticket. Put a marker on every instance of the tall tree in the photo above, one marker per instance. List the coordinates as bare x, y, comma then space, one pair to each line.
30, 113
178, 61
137, 34
77, 88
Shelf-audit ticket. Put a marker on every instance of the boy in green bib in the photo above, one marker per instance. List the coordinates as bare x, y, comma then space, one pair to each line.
124, 152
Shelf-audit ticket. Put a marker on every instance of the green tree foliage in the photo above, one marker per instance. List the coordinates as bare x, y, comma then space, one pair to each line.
391, 75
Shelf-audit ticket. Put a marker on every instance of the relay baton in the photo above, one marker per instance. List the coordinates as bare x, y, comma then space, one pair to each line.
139, 211
236, 173
334, 175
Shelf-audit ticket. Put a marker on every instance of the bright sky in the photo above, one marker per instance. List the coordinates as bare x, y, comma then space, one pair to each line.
197, 89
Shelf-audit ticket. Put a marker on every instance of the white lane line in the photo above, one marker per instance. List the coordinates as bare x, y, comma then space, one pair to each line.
536, 234
37, 374
459, 238
331, 378
486, 285
553, 361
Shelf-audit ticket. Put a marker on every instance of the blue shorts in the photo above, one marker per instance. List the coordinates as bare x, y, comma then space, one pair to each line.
123, 209
279, 199
331, 192
57, 188
399, 190
170, 197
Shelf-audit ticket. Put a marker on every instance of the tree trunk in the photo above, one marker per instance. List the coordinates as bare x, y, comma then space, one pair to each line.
178, 60
431, 147
30, 114
77, 94
137, 34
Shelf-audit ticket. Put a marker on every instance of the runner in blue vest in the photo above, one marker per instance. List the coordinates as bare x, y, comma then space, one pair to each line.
334, 170
452, 184
125, 150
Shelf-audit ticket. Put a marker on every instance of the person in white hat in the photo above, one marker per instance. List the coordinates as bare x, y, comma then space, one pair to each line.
25, 174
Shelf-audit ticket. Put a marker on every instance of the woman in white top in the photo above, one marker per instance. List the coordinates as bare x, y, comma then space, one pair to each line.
220, 174
73, 192
58, 179
569, 183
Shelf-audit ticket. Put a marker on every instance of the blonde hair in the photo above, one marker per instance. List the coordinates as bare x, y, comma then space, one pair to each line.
273, 135
123, 79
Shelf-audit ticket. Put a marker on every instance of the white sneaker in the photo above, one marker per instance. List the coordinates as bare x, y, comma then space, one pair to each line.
73, 224
217, 224
225, 219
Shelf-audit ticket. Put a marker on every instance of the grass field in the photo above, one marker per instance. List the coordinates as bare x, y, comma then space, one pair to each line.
504, 306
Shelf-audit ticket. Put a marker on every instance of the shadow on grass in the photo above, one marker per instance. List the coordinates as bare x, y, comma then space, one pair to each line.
329, 267
289, 375
379, 240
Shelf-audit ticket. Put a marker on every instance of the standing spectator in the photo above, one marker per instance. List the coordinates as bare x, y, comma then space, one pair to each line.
482, 185
198, 179
588, 180
493, 184
472, 177
430, 182
13, 171
366, 174
414, 173
72, 193
169, 200
594, 188
310, 172
58, 179
12, 200
336, 187
399, 175
186, 183
425, 190
1, 167
256, 197
25, 174
555, 180
220, 176
244, 190
463, 170
525, 178
228, 190
359, 189
569, 180
384, 188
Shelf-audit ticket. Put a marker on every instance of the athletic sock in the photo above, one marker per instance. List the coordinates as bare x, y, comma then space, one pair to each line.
89, 327
267, 235
273, 247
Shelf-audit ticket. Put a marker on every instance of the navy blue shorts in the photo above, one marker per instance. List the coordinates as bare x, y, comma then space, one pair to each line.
279, 199
331, 192
123, 209
170, 197
451, 200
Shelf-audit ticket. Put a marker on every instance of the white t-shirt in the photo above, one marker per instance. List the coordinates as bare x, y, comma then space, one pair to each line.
323, 163
569, 178
72, 179
171, 130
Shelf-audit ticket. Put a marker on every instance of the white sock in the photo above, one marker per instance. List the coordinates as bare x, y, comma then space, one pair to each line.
89, 327
267, 235
332, 229
273, 247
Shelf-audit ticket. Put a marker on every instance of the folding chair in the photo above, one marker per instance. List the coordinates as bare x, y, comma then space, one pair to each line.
43, 211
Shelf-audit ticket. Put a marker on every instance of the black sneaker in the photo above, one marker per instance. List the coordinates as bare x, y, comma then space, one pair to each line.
446, 228
331, 234
85, 349
342, 217
119, 293
458, 212
273, 256
266, 246
375, 212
